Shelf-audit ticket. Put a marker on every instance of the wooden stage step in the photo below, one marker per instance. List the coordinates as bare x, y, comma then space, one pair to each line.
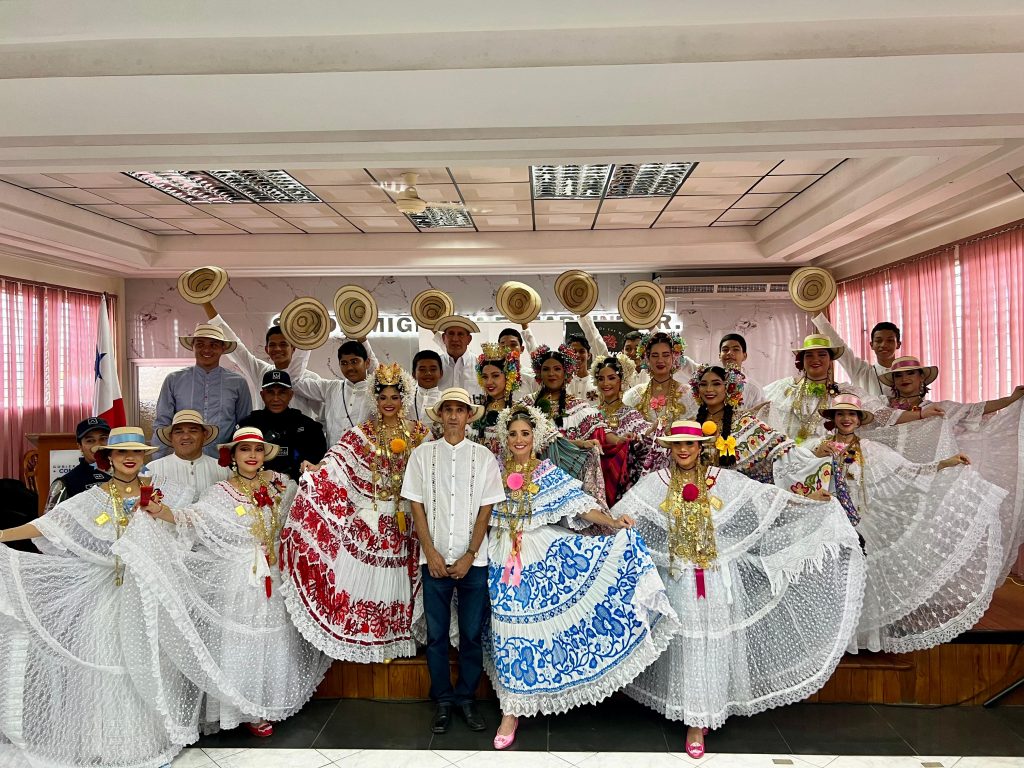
964, 673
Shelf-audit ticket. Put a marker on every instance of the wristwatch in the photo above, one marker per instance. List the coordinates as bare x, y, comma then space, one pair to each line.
472, 553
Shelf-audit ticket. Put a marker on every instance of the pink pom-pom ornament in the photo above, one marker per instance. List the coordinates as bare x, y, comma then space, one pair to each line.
514, 481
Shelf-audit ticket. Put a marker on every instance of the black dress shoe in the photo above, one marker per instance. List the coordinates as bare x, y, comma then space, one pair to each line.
472, 717
442, 718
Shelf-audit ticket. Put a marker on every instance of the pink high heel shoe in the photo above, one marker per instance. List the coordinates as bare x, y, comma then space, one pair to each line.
695, 749
504, 742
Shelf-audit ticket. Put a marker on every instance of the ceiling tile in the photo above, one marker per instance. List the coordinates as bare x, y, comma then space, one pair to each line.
424, 175
488, 223
300, 210
717, 186
438, 193
687, 218
73, 196
566, 206
797, 167
735, 223
784, 183
634, 204
638, 220
339, 177
387, 210
746, 214
323, 224
701, 202
98, 180
383, 224
720, 168
474, 192
257, 226
236, 211
140, 195
765, 201
207, 226
148, 224
167, 212
363, 193
491, 175
113, 211
32, 180
563, 221
500, 207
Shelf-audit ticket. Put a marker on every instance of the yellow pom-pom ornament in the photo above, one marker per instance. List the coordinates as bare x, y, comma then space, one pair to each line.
397, 445
709, 427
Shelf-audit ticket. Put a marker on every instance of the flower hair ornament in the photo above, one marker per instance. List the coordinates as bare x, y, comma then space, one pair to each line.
563, 355
544, 430
506, 359
391, 375
734, 383
674, 340
626, 368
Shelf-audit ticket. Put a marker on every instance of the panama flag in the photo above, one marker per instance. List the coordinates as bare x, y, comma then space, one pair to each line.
106, 397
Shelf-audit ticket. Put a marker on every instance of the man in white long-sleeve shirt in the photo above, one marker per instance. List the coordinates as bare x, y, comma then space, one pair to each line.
187, 435
345, 403
581, 385
459, 367
885, 341
283, 357
426, 369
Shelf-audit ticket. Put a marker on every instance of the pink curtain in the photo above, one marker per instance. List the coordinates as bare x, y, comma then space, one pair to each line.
992, 279
49, 342
961, 309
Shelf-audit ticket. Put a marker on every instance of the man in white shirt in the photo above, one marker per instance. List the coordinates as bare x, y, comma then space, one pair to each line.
452, 483
187, 435
732, 353
525, 344
344, 403
427, 370
283, 357
885, 341
581, 385
459, 368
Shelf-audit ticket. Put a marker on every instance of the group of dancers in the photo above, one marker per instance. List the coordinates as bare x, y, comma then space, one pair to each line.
638, 522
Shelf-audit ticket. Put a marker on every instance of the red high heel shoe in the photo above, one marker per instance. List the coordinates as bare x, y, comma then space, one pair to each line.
695, 749
260, 730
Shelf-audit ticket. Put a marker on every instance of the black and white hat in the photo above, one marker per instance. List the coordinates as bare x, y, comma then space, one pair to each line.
276, 378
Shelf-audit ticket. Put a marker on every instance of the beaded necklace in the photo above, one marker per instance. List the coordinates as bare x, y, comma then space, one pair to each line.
804, 391
266, 525
691, 530
518, 507
610, 411
121, 520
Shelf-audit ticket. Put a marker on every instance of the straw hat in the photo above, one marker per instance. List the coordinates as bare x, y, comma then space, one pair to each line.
125, 439
817, 341
251, 435
306, 323
577, 290
641, 304
208, 331
355, 310
188, 416
430, 306
910, 363
202, 284
518, 302
684, 432
458, 395
847, 402
456, 321
812, 289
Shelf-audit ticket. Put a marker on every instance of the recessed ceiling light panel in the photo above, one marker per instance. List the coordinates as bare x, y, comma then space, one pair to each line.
648, 179
572, 182
228, 186
442, 218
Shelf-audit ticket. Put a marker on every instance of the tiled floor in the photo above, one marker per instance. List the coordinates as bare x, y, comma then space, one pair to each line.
366, 734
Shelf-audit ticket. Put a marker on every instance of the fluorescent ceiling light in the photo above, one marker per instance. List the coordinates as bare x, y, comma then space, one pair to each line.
574, 182
228, 186
442, 218
648, 179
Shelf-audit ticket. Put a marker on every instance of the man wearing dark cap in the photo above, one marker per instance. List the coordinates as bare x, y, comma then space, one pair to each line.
300, 437
90, 434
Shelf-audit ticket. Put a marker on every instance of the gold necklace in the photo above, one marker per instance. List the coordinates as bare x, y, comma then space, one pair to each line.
672, 409
266, 525
518, 507
809, 420
691, 530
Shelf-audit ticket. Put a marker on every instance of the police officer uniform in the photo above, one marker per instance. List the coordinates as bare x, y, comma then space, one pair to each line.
85, 475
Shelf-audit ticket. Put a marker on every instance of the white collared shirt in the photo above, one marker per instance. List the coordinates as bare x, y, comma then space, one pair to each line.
197, 474
345, 405
459, 373
421, 400
582, 388
453, 482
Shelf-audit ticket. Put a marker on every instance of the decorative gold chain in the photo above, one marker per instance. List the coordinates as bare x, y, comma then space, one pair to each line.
691, 530
518, 506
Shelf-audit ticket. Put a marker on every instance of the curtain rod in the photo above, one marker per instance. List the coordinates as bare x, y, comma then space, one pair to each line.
941, 249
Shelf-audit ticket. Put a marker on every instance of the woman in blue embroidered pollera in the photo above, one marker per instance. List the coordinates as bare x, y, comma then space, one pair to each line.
574, 618
767, 586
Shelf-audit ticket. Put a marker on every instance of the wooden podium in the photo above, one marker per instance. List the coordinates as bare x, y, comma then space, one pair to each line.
48, 443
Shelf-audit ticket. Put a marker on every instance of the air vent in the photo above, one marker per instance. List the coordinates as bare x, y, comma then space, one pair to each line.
689, 290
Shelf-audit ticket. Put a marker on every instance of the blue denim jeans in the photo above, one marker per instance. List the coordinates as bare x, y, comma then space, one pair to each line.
473, 609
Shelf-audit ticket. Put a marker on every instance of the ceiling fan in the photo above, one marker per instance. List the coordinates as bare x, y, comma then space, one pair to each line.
408, 200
